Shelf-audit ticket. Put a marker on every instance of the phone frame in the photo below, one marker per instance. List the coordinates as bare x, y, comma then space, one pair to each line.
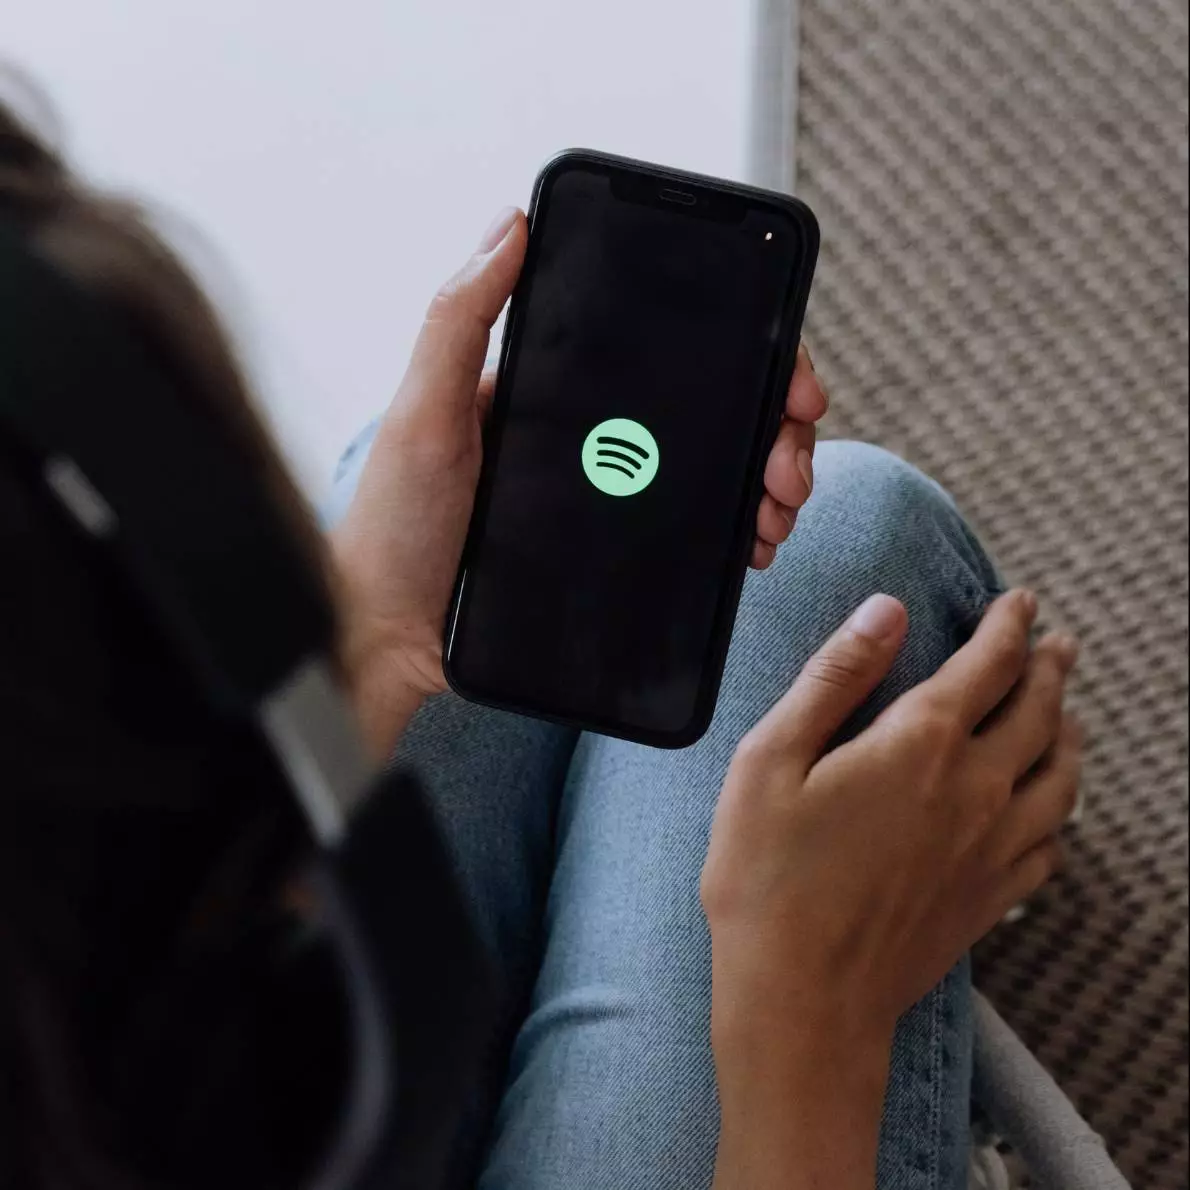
719, 195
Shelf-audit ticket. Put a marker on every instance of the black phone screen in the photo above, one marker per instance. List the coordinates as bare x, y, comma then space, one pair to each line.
636, 396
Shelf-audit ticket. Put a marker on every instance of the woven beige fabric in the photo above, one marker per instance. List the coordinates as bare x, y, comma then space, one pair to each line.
1003, 299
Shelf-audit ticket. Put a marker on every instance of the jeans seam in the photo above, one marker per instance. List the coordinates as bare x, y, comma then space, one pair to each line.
936, 1083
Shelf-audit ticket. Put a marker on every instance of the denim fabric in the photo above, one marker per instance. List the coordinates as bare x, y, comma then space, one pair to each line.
581, 856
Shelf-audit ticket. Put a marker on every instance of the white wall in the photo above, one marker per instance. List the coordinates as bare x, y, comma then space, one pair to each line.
340, 159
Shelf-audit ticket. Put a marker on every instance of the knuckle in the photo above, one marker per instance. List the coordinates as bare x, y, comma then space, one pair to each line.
985, 800
937, 724
454, 300
721, 891
1052, 687
711, 892
993, 792
1007, 651
446, 300
754, 751
926, 739
837, 668
1039, 709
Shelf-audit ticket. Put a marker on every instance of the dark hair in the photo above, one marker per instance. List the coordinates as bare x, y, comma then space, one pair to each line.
119, 788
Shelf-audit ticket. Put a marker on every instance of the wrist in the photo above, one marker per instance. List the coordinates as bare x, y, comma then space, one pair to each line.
761, 1015
803, 1057
801, 1102
383, 684
384, 701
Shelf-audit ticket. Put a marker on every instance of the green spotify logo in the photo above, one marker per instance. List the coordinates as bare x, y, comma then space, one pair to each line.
620, 457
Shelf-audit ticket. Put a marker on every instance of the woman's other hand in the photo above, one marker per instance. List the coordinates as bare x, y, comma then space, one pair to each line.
842, 886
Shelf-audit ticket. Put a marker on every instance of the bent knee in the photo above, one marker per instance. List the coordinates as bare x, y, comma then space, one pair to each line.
847, 470
877, 515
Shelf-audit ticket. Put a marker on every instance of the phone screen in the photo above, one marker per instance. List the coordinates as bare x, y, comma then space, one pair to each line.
636, 395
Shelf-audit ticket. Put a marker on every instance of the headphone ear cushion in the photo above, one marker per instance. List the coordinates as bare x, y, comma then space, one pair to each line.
239, 1066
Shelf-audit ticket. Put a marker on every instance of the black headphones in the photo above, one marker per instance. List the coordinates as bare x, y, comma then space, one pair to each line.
152, 482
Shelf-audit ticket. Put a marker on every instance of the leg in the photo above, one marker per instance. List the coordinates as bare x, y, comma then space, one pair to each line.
611, 1085
493, 782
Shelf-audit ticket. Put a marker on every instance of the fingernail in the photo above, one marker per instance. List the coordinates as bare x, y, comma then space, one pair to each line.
877, 618
499, 228
805, 465
1028, 603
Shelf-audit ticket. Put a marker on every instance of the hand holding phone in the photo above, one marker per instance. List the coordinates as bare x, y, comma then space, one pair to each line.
649, 347
397, 549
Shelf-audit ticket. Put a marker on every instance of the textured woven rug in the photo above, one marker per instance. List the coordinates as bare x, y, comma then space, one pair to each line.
1003, 300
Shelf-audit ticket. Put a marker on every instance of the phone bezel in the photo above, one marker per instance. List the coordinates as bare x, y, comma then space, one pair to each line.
714, 199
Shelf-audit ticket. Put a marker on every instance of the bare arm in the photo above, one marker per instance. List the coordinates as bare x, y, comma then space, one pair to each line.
841, 886
805, 1118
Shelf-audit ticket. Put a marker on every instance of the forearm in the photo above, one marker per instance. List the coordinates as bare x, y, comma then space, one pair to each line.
375, 665
802, 1117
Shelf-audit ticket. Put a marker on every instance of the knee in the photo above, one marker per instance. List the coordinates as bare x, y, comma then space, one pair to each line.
875, 522
848, 472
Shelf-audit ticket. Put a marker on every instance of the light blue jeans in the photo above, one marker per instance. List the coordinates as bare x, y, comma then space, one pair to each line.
581, 858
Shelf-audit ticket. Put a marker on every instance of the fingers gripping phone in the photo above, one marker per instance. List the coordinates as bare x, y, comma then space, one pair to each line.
646, 356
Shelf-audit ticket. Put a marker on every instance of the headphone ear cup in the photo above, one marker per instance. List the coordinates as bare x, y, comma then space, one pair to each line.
332, 1050
417, 953
236, 1073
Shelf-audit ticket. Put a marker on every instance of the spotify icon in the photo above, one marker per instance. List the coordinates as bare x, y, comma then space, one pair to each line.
620, 457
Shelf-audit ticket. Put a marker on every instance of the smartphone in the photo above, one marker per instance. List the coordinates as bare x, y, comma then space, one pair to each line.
646, 356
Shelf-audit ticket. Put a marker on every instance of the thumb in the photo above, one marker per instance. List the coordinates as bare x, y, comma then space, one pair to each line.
449, 355
837, 679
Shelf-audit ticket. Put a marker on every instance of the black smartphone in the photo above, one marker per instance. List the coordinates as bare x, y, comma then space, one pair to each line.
646, 356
